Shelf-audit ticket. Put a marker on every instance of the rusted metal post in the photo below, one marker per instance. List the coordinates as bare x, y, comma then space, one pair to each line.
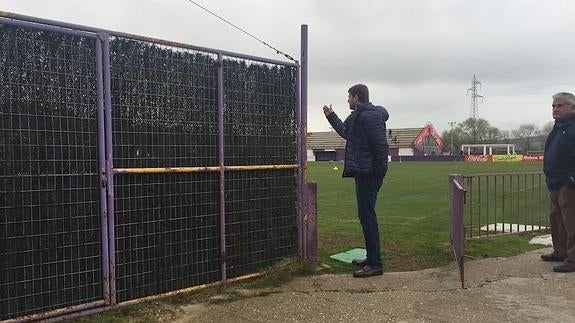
220, 73
102, 172
302, 150
109, 165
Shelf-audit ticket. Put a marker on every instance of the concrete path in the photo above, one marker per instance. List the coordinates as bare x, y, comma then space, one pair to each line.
515, 289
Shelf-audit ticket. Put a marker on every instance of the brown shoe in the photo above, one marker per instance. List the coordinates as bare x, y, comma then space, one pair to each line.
368, 271
359, 262
564, 268
551, 257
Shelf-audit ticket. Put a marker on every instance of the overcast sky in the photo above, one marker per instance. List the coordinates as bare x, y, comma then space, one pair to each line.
417, 56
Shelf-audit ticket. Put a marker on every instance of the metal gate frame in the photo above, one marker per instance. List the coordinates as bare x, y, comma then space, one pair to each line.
456, 226
86, 307
307, 192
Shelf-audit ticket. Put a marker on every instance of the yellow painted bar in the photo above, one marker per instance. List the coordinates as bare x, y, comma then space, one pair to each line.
261, 167
165, 170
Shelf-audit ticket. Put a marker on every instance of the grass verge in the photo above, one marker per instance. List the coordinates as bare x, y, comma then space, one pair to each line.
412, 212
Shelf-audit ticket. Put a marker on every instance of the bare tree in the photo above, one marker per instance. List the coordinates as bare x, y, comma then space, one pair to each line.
526, 132
547, 128
505, 135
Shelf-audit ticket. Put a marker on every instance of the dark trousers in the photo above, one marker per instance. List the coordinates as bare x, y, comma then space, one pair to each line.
562, 219
366, 189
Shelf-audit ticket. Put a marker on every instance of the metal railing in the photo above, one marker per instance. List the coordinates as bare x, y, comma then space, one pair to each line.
504, 203
486, 205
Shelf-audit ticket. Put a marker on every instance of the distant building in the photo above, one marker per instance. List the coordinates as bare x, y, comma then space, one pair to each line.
328, 145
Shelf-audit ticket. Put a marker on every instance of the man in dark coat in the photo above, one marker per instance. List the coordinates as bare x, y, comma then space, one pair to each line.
366, 161
559, 169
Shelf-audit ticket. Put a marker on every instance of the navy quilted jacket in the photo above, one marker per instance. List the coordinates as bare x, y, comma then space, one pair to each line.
366, 140
559, 160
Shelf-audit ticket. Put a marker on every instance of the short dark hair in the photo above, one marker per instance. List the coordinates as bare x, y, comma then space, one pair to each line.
361, 91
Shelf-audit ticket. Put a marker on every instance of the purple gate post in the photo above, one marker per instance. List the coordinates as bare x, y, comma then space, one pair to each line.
456, 203
300, 178
302, 150
102, 171
308, 190
109, 165
222, 166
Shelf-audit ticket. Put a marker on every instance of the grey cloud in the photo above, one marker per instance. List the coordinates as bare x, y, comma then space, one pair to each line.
416, 54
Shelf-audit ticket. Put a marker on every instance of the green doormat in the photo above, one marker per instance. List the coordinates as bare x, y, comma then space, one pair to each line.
350, 255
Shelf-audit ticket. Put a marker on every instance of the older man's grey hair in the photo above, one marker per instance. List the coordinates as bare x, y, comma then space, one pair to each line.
569, 97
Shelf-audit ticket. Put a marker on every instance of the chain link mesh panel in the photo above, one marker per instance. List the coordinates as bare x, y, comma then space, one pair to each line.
164, 105
49, 213
260, 113
261, 219
164, 115
167, 232
260, 129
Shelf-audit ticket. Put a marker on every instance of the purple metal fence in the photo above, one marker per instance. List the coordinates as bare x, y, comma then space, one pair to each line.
505, 203
51, 110
122, 277
485, 205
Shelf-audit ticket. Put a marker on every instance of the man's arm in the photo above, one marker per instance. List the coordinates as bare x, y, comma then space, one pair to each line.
334, 121
377, 137
571, 151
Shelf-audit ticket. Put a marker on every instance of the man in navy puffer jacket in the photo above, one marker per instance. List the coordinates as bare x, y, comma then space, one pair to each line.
559, 169
366, 161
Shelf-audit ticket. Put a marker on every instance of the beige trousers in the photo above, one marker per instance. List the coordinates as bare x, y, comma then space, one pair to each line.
562, 219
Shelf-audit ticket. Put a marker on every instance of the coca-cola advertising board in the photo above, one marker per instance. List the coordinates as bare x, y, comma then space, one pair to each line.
478, 158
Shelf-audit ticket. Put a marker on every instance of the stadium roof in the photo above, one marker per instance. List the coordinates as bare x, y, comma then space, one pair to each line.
396, 138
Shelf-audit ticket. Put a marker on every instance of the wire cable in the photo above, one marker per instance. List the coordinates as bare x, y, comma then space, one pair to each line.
531, 86
436, 108
279, 52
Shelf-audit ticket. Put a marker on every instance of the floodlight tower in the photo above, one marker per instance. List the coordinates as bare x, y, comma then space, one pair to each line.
451, 124
475, 85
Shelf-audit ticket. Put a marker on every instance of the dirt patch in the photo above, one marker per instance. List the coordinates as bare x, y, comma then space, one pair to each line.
394, 257
160, 312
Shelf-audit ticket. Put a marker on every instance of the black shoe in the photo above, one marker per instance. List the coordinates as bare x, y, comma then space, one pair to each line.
368, 271
551, 257
564, 268
359, 262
